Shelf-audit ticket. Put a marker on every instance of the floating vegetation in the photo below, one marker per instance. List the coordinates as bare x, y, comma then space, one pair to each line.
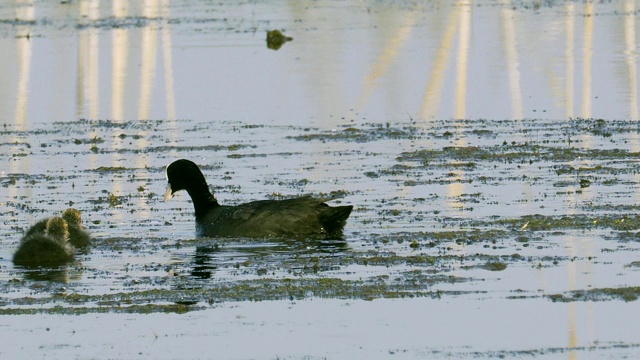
601, 294
368, 133
275, 39
495, 266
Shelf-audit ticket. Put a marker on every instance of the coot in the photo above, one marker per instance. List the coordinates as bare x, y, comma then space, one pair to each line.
302, 216
78, 236
46, 248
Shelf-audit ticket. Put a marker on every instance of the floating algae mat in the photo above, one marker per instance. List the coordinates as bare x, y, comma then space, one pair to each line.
512, 222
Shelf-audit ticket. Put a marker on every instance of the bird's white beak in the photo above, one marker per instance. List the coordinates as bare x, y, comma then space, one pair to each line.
169, 193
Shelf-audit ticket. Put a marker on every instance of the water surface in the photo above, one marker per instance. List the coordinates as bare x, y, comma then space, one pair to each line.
489, 148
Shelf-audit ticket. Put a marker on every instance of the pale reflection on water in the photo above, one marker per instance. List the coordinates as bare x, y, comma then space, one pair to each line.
358, 61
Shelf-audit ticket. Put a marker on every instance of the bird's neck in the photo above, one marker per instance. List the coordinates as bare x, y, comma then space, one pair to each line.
203, 200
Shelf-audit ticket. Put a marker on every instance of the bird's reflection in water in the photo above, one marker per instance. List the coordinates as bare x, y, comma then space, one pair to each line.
312, 246
61, 274
208, 258
203, 265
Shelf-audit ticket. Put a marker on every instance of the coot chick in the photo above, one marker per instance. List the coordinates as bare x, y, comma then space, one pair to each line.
48, 248
303, 216
78, 236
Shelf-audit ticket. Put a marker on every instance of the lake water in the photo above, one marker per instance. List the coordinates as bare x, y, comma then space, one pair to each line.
489, 149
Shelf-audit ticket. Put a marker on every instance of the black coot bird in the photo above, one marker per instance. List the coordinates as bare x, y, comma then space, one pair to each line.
302, 216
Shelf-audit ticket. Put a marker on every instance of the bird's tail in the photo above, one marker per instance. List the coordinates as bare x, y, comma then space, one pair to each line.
335, 218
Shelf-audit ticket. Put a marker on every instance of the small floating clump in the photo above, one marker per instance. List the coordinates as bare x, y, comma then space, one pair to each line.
275, 39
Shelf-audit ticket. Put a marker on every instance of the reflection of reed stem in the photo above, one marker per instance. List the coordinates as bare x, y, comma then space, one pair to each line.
23, 43
87, 84
24, 70
389, 54
94, 74
168, 62
587, 60
631, 56
118, 75
463, 59
148, 63
433, 93
570, 72
513, 64
120, 39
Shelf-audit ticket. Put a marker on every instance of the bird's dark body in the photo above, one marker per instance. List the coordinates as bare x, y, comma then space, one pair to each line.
303, 216
40, 249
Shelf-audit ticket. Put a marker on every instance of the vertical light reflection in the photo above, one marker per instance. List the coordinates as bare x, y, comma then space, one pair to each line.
120, 39
389, 54
148, 63
463, 59
570, 60
94, 70
433, 92
579, 247
587, 60
80, 93
457, 187
631, 56
25, 10
119, 55
579, 275
151, 10
571, 306
167, 55
586, 245
511, 51
87, 92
